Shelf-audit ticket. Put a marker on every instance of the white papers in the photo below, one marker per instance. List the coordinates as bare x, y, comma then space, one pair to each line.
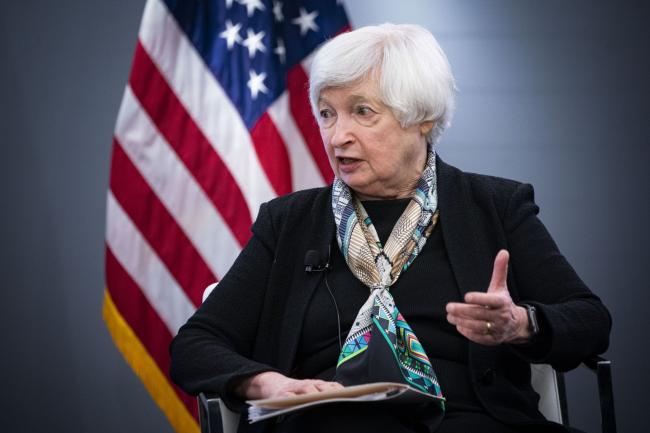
381, 391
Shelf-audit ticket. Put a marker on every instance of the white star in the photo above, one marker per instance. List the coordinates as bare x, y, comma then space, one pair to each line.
277, 11
281, 51
254, 42
306, 21
256, 83
231, 34
251, 5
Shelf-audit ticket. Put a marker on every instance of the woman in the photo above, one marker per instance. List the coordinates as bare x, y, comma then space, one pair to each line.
457, 264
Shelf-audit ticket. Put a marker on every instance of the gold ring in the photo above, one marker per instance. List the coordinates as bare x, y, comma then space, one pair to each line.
488, 327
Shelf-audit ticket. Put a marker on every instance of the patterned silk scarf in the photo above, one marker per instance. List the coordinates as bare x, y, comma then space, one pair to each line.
381, 346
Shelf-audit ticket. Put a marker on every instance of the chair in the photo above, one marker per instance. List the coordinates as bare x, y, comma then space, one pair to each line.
549, 384
215, 417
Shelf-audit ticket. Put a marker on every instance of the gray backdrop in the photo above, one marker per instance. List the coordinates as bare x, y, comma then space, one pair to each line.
554, 93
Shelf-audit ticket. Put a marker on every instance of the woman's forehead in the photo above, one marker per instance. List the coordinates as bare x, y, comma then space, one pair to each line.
364, 90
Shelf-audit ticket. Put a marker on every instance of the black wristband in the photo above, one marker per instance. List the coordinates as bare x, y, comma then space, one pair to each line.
533, 324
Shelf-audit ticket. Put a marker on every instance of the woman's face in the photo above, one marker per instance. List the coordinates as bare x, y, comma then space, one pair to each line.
367, 147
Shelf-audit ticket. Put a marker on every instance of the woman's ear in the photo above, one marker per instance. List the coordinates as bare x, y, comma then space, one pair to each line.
426, 127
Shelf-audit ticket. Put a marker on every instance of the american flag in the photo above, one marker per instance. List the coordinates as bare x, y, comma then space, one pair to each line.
214, 121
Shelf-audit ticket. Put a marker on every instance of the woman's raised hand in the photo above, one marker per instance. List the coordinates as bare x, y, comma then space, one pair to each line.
271, 384
491, 318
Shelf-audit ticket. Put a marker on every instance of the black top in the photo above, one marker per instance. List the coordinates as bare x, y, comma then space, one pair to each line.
420, 293
254, 321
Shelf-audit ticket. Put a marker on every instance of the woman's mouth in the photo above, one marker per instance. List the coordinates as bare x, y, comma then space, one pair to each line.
347, 165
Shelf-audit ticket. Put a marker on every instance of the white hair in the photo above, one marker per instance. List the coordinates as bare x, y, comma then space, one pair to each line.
414, 76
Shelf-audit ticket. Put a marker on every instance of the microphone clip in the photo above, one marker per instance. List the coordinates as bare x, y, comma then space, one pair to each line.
313, 262
317, 268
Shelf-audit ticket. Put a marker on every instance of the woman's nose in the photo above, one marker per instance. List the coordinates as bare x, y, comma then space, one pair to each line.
342, 132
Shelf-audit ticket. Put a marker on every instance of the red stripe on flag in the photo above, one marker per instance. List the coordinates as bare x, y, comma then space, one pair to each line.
298, 85
158, 226
272, 153
143, 319
193, 148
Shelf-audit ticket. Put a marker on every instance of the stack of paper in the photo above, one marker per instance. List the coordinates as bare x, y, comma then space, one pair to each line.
381, 391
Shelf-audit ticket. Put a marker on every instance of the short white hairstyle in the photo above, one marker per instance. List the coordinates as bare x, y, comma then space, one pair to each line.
414, 76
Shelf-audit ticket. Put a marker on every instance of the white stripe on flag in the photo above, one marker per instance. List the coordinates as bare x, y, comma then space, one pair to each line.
205, 101
175, 186
304, 172
143, 265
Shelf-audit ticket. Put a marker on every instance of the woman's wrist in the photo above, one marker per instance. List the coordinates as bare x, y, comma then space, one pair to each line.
523, 334
256, 387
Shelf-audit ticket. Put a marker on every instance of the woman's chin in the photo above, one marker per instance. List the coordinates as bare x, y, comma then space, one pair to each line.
354, 182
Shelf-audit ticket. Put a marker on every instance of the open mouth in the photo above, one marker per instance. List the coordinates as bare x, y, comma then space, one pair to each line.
346, 161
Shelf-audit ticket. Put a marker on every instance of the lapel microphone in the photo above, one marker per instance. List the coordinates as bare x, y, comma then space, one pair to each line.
314, 262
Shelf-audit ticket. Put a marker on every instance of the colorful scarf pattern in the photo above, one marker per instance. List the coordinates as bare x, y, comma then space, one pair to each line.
379, 267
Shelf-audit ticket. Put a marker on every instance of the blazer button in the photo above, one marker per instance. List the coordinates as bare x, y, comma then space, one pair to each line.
488, 376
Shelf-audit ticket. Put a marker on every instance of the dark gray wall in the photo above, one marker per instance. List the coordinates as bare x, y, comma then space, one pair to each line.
553, 93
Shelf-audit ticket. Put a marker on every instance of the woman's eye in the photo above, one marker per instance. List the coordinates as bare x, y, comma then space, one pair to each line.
364, 111
327, 117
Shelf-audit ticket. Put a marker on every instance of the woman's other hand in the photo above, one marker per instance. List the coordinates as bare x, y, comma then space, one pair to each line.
491, 318
271, 385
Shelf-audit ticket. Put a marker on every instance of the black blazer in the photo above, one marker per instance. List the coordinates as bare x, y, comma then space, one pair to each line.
252, 321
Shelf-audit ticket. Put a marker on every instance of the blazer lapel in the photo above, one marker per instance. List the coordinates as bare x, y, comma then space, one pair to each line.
459, 229
468, 251
320, 238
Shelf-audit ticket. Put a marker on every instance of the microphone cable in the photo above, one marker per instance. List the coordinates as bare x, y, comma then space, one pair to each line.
336, 307
312, 264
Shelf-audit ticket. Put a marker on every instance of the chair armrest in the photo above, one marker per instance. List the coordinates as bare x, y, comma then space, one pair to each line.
603, 369
215, 417
592, 362
549, 384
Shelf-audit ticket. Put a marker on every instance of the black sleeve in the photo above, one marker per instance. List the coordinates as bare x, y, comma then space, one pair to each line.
574, 322
211, 352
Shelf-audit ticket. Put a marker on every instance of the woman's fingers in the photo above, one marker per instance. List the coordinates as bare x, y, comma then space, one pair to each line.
486, 299
481, 331
498, 281
476, 326
271, 384
326, 386
466, 311
481, 324
307, 386
476, 337
487, 318
478, 312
